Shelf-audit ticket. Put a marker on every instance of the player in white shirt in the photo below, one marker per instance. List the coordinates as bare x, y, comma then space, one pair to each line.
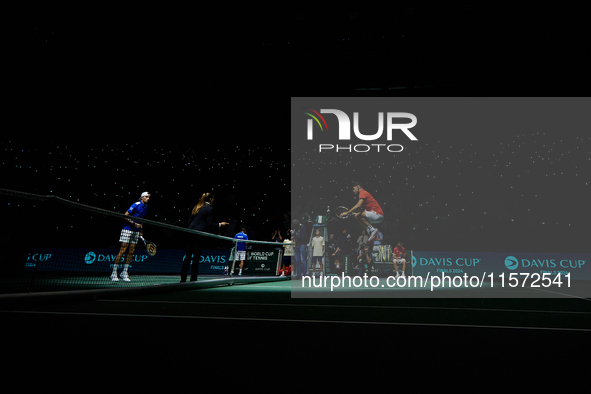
317, 251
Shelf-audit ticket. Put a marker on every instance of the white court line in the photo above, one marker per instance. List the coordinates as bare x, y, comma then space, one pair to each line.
563, 294
306, 321
342, 306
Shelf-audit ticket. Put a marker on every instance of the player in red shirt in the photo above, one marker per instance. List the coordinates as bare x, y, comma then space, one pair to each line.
399, 257
372, 212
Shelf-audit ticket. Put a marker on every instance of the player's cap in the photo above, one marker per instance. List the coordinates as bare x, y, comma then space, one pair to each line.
144, 194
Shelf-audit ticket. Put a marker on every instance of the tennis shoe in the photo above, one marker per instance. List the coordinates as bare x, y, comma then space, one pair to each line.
372, 236
114, 277
125, 277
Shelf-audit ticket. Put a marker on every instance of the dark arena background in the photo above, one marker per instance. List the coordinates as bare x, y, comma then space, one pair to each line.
105, 104
111, 175
522, 193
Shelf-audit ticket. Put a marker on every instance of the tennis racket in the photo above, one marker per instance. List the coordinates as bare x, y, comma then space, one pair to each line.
150, 247
340, 210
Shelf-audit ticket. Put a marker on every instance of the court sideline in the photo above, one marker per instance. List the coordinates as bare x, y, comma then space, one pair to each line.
263, 318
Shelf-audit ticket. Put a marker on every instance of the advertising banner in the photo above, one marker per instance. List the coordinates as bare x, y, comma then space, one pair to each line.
258, 262
498, 263
166, 261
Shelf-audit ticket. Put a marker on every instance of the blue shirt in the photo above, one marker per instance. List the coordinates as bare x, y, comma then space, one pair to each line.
137, 210
378, 241
241, 246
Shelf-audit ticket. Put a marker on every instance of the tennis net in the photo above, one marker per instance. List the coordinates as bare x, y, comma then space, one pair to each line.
51, 244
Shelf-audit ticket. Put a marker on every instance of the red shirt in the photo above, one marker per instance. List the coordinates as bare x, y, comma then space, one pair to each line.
399, 250
370, 203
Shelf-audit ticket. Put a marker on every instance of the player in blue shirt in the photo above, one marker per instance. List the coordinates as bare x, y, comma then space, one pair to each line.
241, 248
130, 234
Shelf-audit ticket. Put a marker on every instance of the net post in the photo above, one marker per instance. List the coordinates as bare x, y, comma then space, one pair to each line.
233, 253
279, 261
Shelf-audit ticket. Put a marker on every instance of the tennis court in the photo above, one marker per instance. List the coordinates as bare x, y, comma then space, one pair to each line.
61, 311
262, 319
271, 300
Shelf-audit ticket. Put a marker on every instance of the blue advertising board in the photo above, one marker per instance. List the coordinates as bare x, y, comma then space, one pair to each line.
166, 261
497, 263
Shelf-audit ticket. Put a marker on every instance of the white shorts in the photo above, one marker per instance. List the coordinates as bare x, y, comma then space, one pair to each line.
129, 237
399, 261
241, 255
373, 217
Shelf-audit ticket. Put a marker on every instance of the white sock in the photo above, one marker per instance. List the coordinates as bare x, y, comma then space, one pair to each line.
125, 267
115, 267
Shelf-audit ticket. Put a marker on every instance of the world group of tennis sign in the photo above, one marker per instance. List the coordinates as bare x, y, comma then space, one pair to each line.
258, 262
166, 261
